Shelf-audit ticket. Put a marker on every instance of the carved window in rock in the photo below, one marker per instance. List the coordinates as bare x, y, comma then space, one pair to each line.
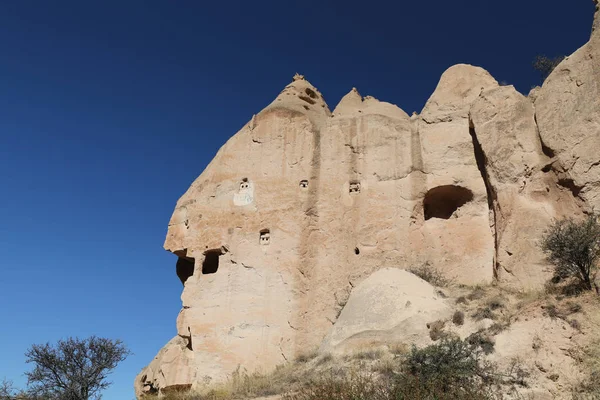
244, 185
304, 184
265, 237
210, 265
354, 187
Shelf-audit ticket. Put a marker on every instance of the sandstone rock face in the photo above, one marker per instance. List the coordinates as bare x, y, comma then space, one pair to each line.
390, 306
524, 193
302, 205
569, 122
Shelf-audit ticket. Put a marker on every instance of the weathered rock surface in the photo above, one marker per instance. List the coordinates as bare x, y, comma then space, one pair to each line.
523, 192
302, 205
569, 122
390, 306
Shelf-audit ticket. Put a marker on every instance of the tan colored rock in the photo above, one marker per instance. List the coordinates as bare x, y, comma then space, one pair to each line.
303, 205
541, 346
567, 115
172, 367
390, 306
523, 191
459, 86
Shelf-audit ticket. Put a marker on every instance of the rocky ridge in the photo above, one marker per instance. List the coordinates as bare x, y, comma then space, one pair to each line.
304, 205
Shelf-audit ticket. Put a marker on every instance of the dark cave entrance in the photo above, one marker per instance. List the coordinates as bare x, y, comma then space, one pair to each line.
184, 268
442, 201
210, 265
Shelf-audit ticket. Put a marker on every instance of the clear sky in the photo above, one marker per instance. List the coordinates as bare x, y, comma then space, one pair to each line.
110, 109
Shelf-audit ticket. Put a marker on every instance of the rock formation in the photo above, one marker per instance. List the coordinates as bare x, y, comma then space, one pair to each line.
303, 204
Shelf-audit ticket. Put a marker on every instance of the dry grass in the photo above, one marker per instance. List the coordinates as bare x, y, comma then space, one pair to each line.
432, 275
370, 372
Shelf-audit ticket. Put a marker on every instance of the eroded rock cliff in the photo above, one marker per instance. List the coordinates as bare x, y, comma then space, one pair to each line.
303, 204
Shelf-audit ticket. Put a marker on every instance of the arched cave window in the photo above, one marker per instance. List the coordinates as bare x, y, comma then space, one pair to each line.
210, 265
304, 184
184, 268
443, 201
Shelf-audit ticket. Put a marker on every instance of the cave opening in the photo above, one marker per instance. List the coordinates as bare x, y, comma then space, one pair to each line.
184, 268
210, 265
442, 201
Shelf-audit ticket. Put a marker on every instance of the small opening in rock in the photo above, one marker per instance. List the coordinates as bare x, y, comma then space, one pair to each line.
443, 201
244, 185
189, 340
306, 108
354, 187
356, 251
210, 265
547, 168
311, 93
307, 99
265, 237
304, 184
184, 268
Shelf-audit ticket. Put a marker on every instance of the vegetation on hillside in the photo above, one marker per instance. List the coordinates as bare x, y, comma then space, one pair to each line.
573, 247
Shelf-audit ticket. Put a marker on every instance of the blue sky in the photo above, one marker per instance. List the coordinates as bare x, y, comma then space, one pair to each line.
110, 109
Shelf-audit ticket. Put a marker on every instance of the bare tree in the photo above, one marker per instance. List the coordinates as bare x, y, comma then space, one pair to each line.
574, 248
7, 391
74, 369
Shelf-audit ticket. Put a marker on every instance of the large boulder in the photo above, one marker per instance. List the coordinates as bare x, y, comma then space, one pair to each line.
392, 306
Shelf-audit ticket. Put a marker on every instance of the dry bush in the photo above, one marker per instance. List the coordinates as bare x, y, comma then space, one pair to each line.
496, 303
477, 293
436, 330
431, 274
458, 318
483, 313
306, 357
368, 354
398, 349
481, 340
324, 359
589, 388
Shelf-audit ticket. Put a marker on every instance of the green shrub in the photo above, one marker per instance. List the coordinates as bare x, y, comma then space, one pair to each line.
573, 247
449, 364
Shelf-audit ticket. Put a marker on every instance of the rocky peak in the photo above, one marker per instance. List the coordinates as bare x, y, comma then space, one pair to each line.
353, 104
458, 87
302, 97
